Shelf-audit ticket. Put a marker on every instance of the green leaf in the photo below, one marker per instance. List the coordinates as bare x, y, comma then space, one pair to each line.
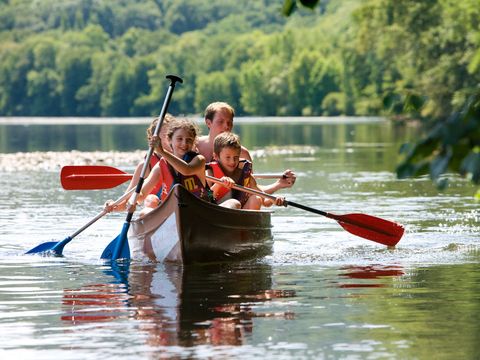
405, 170
439, 165
289, 6
408, 169
309, 3
471, 166
442, 184
405, 148
423, 149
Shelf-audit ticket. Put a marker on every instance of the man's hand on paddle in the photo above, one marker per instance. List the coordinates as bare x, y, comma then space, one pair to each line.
288, 179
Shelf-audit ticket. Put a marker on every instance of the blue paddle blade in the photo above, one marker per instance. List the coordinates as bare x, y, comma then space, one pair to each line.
118, 247
48, 246
53, 247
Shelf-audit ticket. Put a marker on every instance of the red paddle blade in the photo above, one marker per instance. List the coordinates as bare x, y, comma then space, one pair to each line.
371, 227
92, 177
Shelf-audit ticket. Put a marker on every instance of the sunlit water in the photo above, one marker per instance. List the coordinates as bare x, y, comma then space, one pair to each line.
322, 293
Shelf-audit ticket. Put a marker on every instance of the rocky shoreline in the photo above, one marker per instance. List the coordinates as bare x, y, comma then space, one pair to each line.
54, 161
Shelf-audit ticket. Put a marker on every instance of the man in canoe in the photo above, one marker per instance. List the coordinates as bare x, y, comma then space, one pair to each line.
232, 170
219, 118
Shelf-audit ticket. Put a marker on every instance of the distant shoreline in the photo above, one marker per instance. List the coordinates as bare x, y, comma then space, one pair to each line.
146, 120
55, 160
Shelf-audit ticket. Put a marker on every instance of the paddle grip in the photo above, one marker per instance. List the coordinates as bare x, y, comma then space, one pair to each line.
173, 79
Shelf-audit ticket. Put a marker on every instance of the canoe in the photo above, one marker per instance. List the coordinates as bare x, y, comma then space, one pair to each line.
186, 229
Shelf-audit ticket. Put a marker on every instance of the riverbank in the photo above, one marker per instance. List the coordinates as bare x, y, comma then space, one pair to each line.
53, 161
26, 121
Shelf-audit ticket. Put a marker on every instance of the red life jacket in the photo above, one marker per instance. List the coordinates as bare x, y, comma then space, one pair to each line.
154, 159
192, 183
244, 180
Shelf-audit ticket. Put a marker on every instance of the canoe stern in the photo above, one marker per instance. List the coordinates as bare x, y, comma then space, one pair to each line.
185, 229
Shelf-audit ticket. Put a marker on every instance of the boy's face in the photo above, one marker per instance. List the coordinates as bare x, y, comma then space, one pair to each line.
229, 159
221, 122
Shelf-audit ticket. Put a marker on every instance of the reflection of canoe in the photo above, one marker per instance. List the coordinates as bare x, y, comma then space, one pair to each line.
180, 306
186, 229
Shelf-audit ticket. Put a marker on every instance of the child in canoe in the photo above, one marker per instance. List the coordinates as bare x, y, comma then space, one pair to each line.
181, 166
232, 170
154, 159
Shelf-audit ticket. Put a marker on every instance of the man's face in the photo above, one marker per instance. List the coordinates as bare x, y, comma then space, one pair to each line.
221, 122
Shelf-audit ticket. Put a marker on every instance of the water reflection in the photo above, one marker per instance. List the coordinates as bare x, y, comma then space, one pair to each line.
211, 304
128, 137
369, 272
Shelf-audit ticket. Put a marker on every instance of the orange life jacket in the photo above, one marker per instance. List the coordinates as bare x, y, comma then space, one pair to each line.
244, 180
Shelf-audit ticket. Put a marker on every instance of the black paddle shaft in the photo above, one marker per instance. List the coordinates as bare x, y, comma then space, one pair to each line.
303, 207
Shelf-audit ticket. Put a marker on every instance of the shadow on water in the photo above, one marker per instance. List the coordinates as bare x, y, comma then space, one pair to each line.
179, 305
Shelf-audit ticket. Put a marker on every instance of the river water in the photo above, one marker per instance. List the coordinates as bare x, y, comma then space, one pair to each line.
322, 293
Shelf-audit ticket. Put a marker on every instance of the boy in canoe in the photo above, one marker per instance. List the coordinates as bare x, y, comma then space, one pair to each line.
232, 170
181, 165
219, 118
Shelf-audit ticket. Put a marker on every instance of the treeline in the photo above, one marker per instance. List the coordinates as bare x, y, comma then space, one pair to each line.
353, 57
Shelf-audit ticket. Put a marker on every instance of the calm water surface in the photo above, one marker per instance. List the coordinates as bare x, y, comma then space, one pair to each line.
322, 293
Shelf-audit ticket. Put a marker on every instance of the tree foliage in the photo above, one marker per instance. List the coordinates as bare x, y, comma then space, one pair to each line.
353, 57
422, 58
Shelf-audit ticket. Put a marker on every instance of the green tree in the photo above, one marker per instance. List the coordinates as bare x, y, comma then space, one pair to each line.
310, 79
16, 62
263, 87
217, 86
118, 98
42, 91
410, 48
74, 71
150, 103
90, 95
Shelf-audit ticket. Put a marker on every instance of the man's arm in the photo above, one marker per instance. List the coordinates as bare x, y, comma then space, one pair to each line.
286, 181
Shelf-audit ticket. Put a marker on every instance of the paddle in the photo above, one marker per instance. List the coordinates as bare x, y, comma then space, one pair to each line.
366, 226
119, 249
56, 247
94, 177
